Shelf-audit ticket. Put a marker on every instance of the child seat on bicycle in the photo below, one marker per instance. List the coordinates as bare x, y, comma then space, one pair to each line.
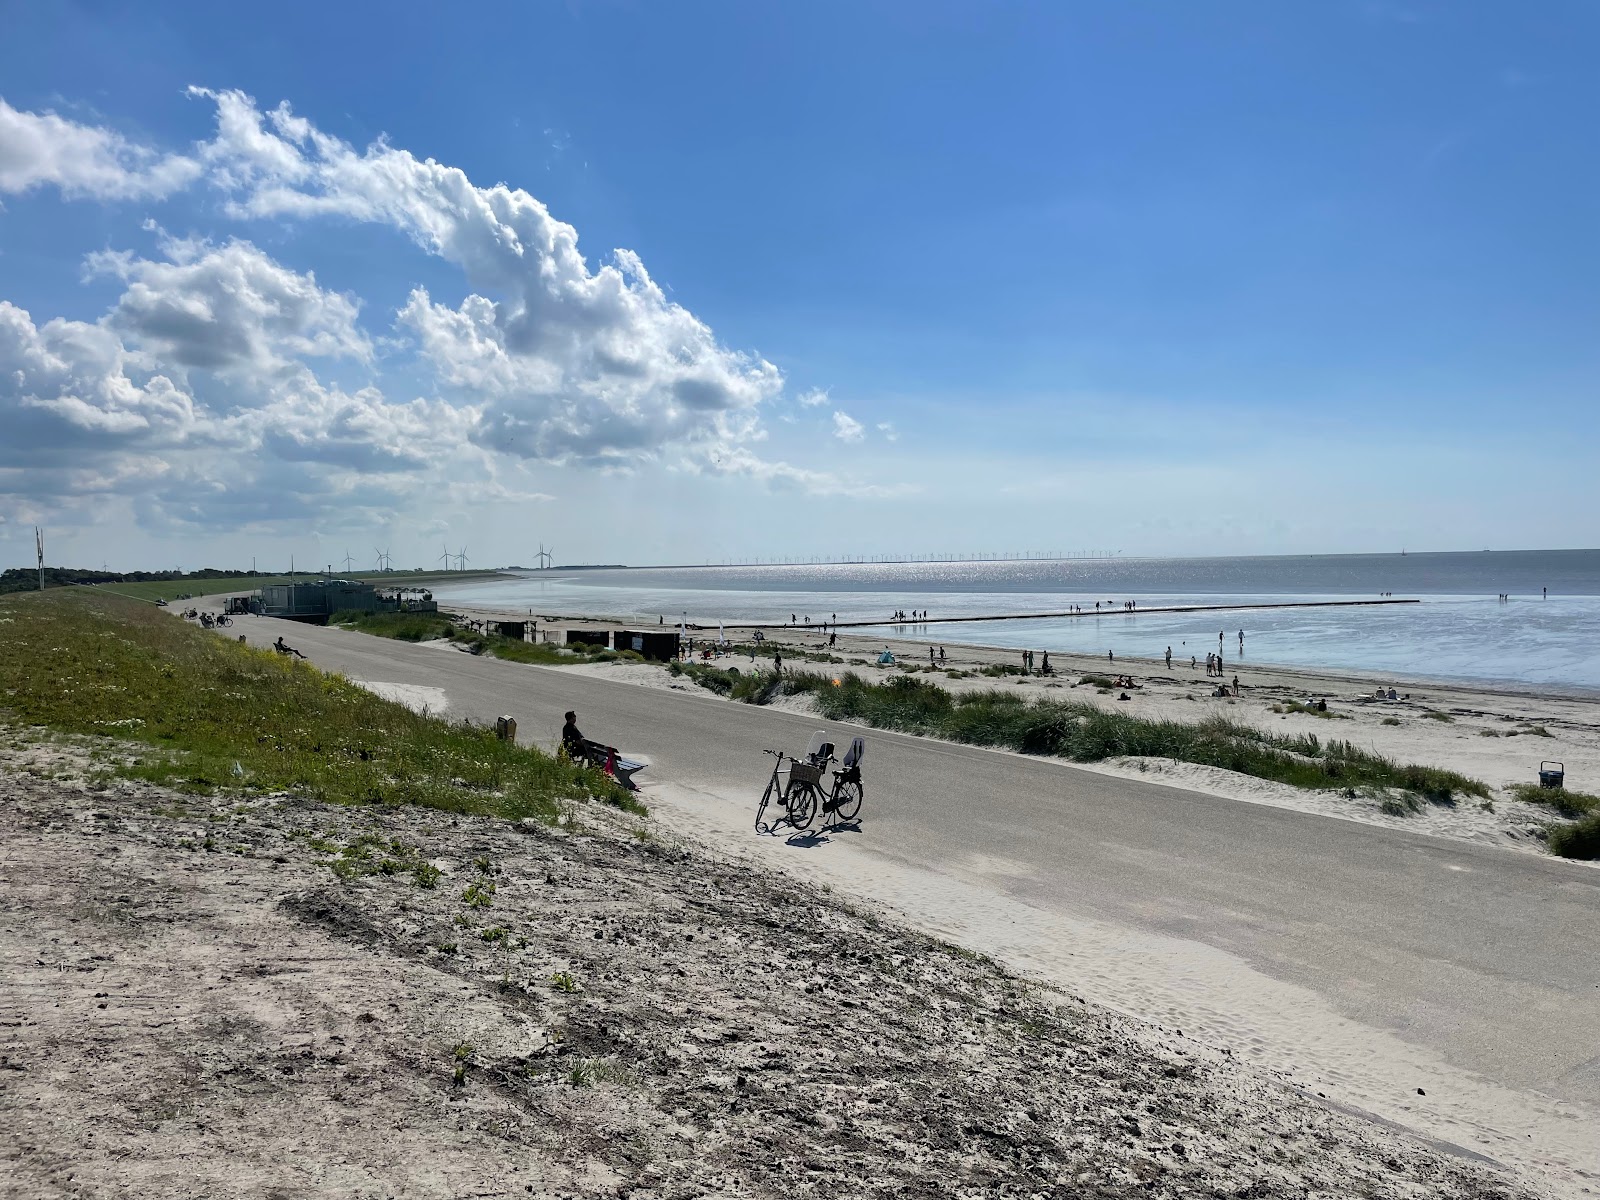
852, 760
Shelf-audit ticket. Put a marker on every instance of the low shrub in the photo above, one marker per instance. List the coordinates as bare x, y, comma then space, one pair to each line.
1568, 804
1580, 839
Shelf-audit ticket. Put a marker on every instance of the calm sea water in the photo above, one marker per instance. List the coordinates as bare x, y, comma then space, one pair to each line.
1458, 631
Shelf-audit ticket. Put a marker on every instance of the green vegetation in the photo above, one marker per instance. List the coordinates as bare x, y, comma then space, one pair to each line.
1580, 839
403, 626
564, 981
1295, 706
748, 687
1435, 715
1568, 804
1084, 733
209, 581
202, 713
428, 627
479, 894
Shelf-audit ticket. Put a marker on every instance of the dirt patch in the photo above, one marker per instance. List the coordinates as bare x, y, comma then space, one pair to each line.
268, 997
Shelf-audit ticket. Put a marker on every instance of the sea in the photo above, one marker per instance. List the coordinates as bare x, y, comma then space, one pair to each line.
1546, 634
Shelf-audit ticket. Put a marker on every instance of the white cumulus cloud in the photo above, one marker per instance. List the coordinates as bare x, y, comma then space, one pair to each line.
231, 306
846, 428
815, 398
567, 361
83, 160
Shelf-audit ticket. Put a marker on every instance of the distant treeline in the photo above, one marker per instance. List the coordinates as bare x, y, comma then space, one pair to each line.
26, 579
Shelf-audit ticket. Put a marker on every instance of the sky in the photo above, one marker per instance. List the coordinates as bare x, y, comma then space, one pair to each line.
714, 281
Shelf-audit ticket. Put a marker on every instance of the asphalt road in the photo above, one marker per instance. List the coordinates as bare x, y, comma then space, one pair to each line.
1489, 958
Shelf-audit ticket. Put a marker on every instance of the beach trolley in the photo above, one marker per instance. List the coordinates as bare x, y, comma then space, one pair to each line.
1552, 775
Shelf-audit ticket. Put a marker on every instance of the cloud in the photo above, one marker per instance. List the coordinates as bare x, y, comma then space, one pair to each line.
229, 307
888, 430
815, 398
83, 160
67, 388
847, 428
568, 363
741, 461
90, 413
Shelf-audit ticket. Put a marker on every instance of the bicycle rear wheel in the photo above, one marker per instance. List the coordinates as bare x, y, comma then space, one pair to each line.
847, 799
801, 799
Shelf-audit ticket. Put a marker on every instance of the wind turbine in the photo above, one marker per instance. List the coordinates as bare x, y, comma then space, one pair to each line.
348, 559
461, 560
383, 558
445, 557
546, 557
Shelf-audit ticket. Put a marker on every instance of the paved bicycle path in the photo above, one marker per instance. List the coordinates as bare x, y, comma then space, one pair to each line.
1473, 963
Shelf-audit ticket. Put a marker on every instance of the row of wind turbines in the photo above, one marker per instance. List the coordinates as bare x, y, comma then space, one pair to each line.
546, 559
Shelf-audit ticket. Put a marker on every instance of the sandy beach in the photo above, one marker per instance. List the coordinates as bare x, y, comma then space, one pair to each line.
1499, 735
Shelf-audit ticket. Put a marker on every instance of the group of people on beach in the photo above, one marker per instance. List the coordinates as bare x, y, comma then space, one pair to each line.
916, 615
1028, 661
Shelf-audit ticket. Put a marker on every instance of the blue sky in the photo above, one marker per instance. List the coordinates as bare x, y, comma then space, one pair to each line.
1173, 278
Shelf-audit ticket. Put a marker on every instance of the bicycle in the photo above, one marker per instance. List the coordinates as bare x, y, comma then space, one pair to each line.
775, 791
843, 800
801, 796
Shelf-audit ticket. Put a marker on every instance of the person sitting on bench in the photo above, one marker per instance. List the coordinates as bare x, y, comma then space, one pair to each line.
572, 741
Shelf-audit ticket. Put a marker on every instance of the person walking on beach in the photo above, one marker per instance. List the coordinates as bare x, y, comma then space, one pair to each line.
941, 655
1241, 641
932, 661
1045, 670
832, 639
1111, 656
777, 663
1191, 662
1169, 658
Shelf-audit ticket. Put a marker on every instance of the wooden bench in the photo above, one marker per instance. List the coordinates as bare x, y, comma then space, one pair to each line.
610, 760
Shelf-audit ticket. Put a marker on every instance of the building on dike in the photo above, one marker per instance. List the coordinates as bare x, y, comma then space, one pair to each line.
315, 600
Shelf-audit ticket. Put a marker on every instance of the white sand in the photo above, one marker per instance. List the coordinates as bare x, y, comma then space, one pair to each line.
417, 697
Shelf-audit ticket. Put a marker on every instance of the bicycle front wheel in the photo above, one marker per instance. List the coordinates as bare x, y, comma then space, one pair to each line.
766, 798
801, 799
847, 799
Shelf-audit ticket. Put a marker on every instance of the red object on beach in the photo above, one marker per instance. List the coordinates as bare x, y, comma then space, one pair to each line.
611, 763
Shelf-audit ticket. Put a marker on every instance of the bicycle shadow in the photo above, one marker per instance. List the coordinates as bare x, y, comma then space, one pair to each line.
809, 839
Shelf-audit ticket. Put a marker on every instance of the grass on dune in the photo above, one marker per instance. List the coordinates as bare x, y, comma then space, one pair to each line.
1568, 804
200, 712
1579, 838
1085, 733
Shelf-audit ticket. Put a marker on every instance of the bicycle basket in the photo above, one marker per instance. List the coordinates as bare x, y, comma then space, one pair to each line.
800, 772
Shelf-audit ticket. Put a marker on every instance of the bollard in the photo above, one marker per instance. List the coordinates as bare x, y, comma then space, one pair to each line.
505, 728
